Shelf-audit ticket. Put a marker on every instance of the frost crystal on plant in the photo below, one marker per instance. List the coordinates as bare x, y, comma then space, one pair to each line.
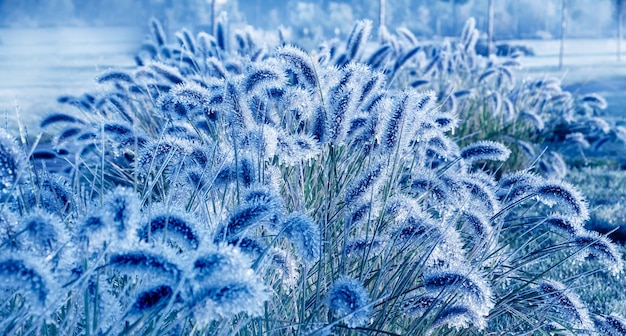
348, 300
221, 284
485, 150
27, 276
459, 316
11, 161
471, 286
600, 247
566, 303
565, 195
42, 233
304, 234
174, 227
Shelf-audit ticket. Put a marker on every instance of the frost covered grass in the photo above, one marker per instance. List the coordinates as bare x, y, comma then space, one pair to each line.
228, 187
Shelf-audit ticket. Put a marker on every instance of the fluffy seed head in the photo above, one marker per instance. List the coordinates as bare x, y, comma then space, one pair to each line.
600, 247
122, 211
24, 275
565, 303
151, 298
362, 184
566, 196
304, 234
299, 62
146, 264
564, 225
348, 300
613, 325
41, 232
11, 161
175, 227
485, 150
470, 286
222, 284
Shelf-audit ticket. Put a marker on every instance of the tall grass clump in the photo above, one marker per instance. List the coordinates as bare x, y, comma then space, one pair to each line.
225, 188
529, 115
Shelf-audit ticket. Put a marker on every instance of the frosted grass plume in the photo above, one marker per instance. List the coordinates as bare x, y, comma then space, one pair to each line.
363, 183
122, 211
167, 72
154, 154
12, 160
566, 196
482, 195
304, 233
379, 57
577, 139
221, 284
41, 233
115, 76
91, 230
534, 119
418, 305
263, 76
477, 223
612, 325
396, 125
415, 228
57, 117
299, 62
595, 101
184, 101
281, 262
461, 282
348, 300
258, 194
173, 226
566, 303
243, 219
157, 32
26, 275
358, 246
151, 298
485, 150
146, 264
598, 246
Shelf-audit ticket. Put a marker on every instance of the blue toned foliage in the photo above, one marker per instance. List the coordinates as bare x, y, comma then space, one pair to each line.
349, 302
11, 161
236, 183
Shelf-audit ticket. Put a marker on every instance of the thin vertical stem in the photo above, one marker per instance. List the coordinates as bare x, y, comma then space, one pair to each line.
213, 17
490, 29
620, 18
563, 27
382, 12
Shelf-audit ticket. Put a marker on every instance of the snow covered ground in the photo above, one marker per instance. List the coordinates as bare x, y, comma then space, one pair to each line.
38, 65
588, 66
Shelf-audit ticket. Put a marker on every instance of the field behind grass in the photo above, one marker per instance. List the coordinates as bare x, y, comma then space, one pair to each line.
37, 65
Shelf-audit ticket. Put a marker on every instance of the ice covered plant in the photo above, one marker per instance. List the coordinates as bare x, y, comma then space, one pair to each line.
11, 161
349, 302
526, 114
248, 189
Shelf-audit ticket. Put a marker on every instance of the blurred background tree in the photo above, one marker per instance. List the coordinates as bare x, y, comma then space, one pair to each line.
512, 19
618, 7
